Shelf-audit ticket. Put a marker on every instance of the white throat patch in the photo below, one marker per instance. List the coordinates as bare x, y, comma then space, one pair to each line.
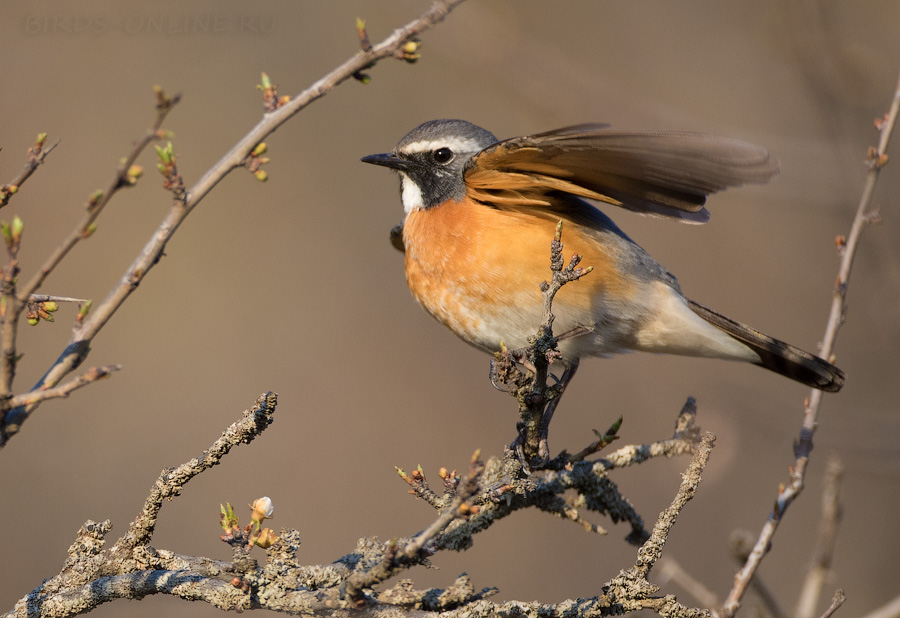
411, 194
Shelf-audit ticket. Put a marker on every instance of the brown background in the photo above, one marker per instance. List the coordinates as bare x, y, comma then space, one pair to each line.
292, 285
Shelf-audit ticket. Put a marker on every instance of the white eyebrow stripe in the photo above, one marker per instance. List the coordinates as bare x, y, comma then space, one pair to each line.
456, 144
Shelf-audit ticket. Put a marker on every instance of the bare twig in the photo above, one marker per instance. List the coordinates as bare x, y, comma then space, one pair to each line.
891, 609
603, 440
98, 202
876, 159
836, 601
36, 156
741, 544
79, 344
15, 301
821, 564
44, 298
94, 374
671, 571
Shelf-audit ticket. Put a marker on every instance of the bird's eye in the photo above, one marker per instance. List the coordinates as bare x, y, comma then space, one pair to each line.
442, 155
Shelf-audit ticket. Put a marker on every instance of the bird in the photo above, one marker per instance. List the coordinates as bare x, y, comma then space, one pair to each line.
480, 213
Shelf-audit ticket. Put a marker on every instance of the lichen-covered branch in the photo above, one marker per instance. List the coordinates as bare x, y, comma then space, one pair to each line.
131, 568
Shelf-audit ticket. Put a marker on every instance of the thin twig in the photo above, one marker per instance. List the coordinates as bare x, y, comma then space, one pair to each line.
742, 542
671, 571
821, 565
96, 206
17, 300
44, 298
877, 158
36, 156
836, 601
891, 609
93, 375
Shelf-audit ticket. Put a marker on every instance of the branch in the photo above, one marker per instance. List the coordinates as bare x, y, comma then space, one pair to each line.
172, 481
97, 203
13, 415
36, 156
891, 609
632, 586
93, 375
537, 401
877, 158
131, 568
79, 344
836, 601
414, 551
671, 571
821, 565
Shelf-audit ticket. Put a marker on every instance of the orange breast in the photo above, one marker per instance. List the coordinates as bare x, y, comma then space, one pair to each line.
478, 270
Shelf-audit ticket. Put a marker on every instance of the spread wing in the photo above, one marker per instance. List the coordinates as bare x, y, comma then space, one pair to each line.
666, 174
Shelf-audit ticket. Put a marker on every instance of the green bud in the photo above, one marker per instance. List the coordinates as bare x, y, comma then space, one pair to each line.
17, 227
51, 306
84, 309
229, 518
166, 153
261, 175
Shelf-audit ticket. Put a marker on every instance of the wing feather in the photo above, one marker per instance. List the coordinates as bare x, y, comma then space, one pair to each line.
666, 174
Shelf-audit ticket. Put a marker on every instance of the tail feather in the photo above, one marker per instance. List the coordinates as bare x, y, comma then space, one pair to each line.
776, 355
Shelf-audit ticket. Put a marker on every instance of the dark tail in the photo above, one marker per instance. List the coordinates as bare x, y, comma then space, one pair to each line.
776, 355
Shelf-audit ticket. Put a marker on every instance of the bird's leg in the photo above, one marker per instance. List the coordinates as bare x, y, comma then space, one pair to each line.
547, 416
537, 408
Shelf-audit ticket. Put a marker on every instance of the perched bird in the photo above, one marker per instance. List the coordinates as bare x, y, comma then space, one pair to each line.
481, 213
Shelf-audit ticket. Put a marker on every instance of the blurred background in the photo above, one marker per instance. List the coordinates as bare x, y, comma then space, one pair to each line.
292, 285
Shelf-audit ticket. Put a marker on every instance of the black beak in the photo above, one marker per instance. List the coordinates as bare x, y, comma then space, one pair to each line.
388, 159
